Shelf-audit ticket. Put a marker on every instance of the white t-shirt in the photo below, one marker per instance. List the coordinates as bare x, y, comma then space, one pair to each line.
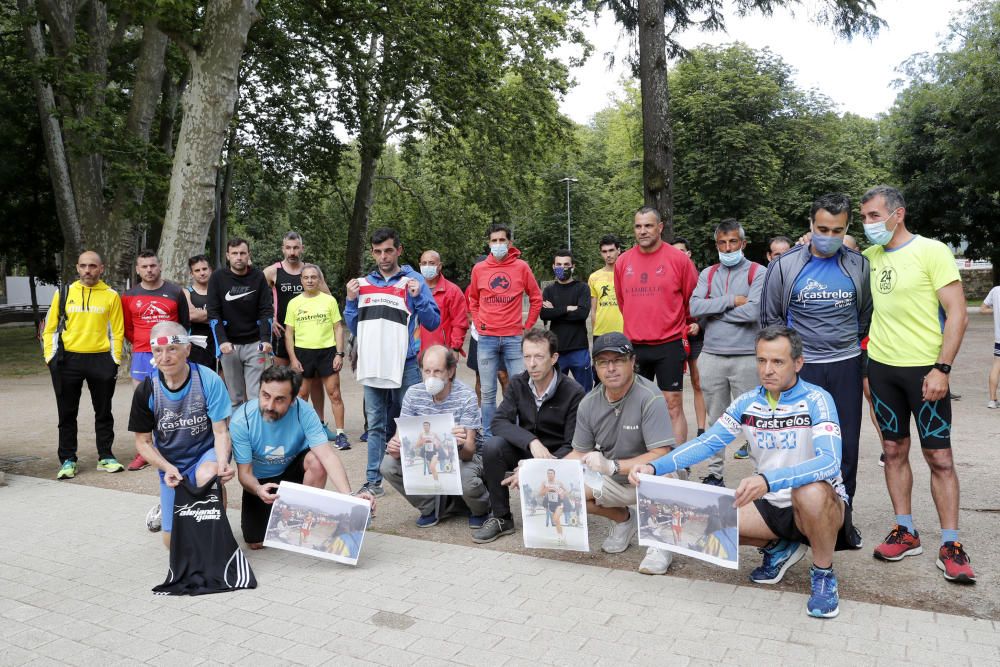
993, 301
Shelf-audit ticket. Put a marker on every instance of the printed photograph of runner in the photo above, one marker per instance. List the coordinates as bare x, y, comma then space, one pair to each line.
553, 510
696, 520
429, 455
317, 522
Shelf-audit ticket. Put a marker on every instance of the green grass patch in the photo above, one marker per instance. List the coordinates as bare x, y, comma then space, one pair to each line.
21, 352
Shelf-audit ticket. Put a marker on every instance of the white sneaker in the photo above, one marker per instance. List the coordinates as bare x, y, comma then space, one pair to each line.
656, 561
154, 519
993, 405
620, 535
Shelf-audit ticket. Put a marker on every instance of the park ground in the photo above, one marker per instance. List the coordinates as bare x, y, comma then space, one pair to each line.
28, 448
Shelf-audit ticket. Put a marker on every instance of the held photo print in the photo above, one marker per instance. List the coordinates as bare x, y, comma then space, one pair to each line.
686, 518
317, 522
429, 456
553, 508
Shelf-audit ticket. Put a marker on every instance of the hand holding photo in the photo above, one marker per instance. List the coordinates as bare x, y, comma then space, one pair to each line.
428, 455
553, 508
686, 518
317, 522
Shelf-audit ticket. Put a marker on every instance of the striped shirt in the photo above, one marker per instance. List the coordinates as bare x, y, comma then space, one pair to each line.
460, 402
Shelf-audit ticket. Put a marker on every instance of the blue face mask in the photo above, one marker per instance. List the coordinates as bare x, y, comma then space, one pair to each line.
429, 272
877, 233
826, 245
499, 250
562, 272
731, 258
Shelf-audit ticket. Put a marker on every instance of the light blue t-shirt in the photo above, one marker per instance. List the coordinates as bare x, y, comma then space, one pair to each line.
272, 446
824, 311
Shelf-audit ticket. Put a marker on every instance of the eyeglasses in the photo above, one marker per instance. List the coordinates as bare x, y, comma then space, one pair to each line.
614, 361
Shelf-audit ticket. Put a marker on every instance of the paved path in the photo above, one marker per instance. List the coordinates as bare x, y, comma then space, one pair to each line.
77, 565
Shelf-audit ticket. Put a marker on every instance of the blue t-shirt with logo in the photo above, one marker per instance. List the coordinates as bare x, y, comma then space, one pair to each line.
824, 311
272, 446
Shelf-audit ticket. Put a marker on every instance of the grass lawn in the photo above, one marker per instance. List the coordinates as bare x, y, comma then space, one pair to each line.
21, 352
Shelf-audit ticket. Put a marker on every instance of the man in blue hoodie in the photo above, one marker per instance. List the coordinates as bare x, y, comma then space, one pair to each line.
821, 289
380, 313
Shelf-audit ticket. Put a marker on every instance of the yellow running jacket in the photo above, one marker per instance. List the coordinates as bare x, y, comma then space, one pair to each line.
94, 321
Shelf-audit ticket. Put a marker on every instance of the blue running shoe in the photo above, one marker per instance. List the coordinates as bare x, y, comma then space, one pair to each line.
743, 452
341, 442
778, 557
426, 521
476, 521
364, 437
824, 601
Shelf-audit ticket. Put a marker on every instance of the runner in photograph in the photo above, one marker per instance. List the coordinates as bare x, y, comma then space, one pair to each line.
553, 492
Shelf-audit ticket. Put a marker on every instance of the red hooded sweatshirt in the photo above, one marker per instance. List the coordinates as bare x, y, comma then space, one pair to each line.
496, 293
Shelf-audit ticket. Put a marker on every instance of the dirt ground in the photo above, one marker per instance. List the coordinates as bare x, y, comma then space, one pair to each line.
28, 447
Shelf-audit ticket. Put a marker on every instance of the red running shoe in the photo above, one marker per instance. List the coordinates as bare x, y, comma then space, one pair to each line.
138, 463
955, 564
899, 544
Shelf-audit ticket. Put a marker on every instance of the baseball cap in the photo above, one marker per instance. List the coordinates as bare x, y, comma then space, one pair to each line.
612, 342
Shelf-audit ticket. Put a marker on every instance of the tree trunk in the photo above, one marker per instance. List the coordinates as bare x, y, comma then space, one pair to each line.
171, 96
55, 149
657, 149
363, 197
208, 105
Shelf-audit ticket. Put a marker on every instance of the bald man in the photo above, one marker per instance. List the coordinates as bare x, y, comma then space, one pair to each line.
82, 341
450, 301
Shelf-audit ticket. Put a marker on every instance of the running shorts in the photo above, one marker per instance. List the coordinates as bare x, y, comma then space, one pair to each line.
142, 366
316, 363
167, 492
781, 521
255, 512
664, 363
897, 394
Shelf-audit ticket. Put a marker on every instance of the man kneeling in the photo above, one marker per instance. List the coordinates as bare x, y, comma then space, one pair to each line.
797, 497
278, 437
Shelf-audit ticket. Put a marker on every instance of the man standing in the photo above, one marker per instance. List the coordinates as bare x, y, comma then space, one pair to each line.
441, 393
197, 298
496, 295
380, 312
727, 299
239, 314
82, 341
565, 306
285, 280
621, 424
796, 499
696, 342
147, 304
777, 246
991, 304
654, 282
451, 304
277, 437
536, 419
179, 419
910, 354
822, 290
604, 314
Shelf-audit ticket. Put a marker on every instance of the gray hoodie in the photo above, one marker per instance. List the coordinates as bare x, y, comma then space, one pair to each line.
729, 329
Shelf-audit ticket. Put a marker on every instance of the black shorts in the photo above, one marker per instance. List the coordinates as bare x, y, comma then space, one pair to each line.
864, 363
781, 521
472, 361
316, 363
204, 357
255, 512
695, 344
278, 347
664, 362
897, 393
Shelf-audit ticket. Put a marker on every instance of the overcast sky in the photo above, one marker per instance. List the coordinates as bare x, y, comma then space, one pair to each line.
856, 75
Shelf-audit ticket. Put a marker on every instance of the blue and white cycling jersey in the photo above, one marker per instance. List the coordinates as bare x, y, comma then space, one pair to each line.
794, 444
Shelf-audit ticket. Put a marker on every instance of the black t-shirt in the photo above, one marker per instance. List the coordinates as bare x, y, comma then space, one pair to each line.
570, 327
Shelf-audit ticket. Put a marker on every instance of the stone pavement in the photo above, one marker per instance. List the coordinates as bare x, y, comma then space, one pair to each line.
77, 566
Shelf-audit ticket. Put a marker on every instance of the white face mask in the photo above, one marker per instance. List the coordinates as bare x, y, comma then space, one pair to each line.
429, 271
434, 385
499, 250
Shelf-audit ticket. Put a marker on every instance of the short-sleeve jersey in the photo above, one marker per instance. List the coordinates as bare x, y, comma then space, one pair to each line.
602, 288
313, 319
272, 446
908, 320
460, 402
993, 301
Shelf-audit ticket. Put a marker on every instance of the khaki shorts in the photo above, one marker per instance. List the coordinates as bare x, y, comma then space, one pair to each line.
615, 494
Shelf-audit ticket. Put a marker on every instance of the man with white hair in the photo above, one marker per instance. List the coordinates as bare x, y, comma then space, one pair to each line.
179, 420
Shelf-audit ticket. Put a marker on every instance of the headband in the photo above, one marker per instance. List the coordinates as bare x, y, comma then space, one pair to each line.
179, 339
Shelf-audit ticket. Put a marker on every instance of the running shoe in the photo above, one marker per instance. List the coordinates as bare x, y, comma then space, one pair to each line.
68, 470
899, 544
656, 561
364, 437
493, 529
138, 463
778, 557
110, 465
341, 442
743, 452
993, 405
154, 519
824, 601
330, 435
956, 397
713, 480
619, 536
477, 521
373, 488
881, 460
955, 563
427, 520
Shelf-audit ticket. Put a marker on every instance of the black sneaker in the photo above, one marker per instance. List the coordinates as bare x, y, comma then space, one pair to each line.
373, 488
713, 480
492, 529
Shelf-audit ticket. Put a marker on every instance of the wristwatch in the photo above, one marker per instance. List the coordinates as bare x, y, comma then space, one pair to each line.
944, 368
617, 467
339, 354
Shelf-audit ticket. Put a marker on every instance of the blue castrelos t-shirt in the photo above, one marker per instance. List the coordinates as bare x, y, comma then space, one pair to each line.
824, 311
271, 446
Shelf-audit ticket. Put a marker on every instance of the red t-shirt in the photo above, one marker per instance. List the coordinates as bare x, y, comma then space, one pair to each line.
654, 291
144, 309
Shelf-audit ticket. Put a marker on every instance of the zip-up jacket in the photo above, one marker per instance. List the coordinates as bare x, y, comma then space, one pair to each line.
94, 321
729, 329
454, 311
793, 444
518, 421
495, 294
240, 308
783, 272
